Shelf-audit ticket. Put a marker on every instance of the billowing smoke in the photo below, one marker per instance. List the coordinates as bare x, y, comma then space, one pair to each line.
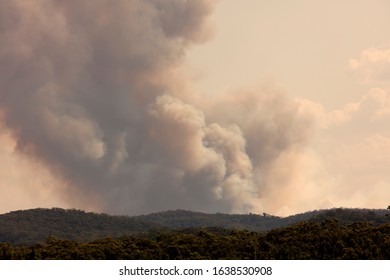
88, 89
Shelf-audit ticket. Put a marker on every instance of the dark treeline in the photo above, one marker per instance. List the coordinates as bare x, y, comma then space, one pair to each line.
28, 227
35, 225
327, 239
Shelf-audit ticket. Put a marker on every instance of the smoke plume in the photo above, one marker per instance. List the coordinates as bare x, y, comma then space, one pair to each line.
87, 89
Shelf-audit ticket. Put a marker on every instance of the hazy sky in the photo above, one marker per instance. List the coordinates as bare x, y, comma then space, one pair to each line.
334, 58
233, 106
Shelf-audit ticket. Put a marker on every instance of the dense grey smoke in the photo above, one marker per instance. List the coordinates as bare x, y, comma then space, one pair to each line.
86, 89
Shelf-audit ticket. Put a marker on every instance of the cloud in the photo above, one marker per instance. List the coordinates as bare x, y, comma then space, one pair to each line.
325, 119
362, 168
96, 108
372, 67
350, 149
93, 92
382, 98
372, 107
18, 173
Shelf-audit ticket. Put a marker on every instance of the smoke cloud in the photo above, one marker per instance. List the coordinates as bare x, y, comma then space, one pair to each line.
87, 89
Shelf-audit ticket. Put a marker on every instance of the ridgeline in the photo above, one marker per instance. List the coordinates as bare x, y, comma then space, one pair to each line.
74, 234
35, 225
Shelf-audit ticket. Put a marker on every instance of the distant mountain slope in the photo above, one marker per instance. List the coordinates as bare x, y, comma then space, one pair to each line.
348, 216
35, 225
186, 219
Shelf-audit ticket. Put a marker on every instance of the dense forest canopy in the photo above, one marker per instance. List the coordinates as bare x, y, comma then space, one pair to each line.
306, 240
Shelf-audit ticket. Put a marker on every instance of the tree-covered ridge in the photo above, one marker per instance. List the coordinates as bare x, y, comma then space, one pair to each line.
34, 226
348, 216
328, 239
185, 219
189, 219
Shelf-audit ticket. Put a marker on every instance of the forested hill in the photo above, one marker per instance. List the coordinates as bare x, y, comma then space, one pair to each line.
186, 219
35, 225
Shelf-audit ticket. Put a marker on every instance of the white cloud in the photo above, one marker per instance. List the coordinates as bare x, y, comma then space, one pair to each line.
325, 119
371, 107
373, 66
382, 98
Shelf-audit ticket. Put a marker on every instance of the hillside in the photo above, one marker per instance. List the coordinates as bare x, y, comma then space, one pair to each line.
35, 225
327, 240
254, 222
187, 219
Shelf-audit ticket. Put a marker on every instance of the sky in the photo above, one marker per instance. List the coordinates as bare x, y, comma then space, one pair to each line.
132, 107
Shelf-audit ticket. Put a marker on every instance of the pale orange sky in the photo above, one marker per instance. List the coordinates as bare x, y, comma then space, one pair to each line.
332, 58
303, 46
